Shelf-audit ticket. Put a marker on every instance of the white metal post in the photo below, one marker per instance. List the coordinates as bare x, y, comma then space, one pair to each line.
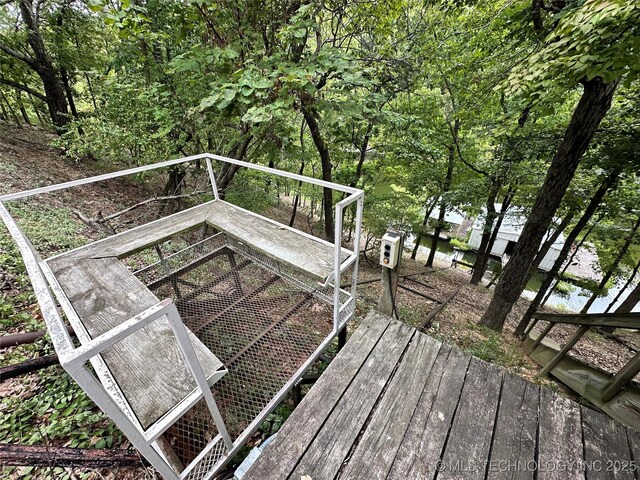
212, 177
356, 243
336, 267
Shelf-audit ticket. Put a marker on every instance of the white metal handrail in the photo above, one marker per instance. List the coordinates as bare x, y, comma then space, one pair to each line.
74, 359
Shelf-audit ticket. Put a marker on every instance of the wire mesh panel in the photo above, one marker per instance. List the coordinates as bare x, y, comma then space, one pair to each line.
257, 316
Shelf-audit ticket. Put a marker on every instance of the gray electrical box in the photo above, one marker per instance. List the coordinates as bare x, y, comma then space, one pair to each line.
390, 249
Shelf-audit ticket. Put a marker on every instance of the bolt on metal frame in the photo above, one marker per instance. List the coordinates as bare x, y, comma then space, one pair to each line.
74, 359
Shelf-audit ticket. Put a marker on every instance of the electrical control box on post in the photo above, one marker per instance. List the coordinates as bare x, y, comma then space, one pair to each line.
390, 249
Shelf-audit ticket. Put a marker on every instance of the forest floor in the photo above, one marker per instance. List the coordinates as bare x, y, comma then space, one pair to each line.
46, 407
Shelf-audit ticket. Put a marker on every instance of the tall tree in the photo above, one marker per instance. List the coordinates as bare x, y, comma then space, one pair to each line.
37, 57
565, 49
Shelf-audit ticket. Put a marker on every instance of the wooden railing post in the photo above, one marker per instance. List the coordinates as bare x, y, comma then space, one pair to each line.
560, 355
622, 378
544, 333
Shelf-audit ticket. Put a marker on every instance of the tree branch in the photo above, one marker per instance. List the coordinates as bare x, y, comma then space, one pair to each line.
24, 88
17, 55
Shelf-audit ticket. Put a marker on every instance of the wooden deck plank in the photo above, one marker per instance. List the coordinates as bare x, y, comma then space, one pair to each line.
284, 452
376, 450
514, 443
467, 450
333, 442
560, 438
148, 365
634, 447
470, 420
606, 449
274, 239
425, 437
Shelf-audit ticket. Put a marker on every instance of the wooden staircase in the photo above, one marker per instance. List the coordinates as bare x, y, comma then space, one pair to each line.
616, 395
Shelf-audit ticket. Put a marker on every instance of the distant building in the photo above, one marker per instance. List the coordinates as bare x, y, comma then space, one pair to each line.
508, 235
453, 220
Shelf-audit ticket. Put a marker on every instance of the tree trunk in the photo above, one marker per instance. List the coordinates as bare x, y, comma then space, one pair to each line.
482, 256
325, 161
592, 108
15, 117
567, 264
23, 111
595, 202
53, 89
427, 214
69, 92
506, 203
631, 301
443, 205
229, 170
363, 153
624, 289
546, 246
613, 267
296, 199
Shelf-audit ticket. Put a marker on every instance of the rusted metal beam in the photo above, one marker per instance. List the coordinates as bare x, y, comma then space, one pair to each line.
419, 293
22, 338
426, 323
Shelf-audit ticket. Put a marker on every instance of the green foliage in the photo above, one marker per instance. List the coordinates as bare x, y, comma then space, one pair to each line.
594, 38
252, 191
50, 229
55, 409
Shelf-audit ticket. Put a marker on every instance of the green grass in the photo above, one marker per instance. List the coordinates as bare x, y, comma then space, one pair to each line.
491, 347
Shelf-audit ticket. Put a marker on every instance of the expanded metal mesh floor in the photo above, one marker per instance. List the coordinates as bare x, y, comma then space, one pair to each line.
262, 326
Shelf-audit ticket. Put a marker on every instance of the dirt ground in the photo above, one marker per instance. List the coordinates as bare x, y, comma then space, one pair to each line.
26, 161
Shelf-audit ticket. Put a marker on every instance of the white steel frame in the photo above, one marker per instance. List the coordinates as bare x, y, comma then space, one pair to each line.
74, 360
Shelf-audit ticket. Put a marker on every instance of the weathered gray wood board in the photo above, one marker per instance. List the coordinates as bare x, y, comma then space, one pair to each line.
514, 441
274, 239
472, 429
147, 365
331, 446
144, 236
606, 448
433, 412
560, 443
427, 432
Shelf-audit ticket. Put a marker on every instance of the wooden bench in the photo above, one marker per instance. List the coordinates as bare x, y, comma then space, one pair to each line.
147, 365
305, 253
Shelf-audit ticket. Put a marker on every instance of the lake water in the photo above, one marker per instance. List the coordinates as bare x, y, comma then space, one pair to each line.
573, 301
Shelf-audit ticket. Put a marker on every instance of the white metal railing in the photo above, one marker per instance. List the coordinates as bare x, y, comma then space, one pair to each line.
101, 391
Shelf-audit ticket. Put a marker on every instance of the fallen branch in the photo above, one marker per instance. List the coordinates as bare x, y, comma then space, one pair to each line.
99, 222
429, 319
27, 367
48, 456
93, 223
148, 201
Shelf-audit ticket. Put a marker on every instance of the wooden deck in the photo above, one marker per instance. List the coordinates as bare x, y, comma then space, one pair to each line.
398, 404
